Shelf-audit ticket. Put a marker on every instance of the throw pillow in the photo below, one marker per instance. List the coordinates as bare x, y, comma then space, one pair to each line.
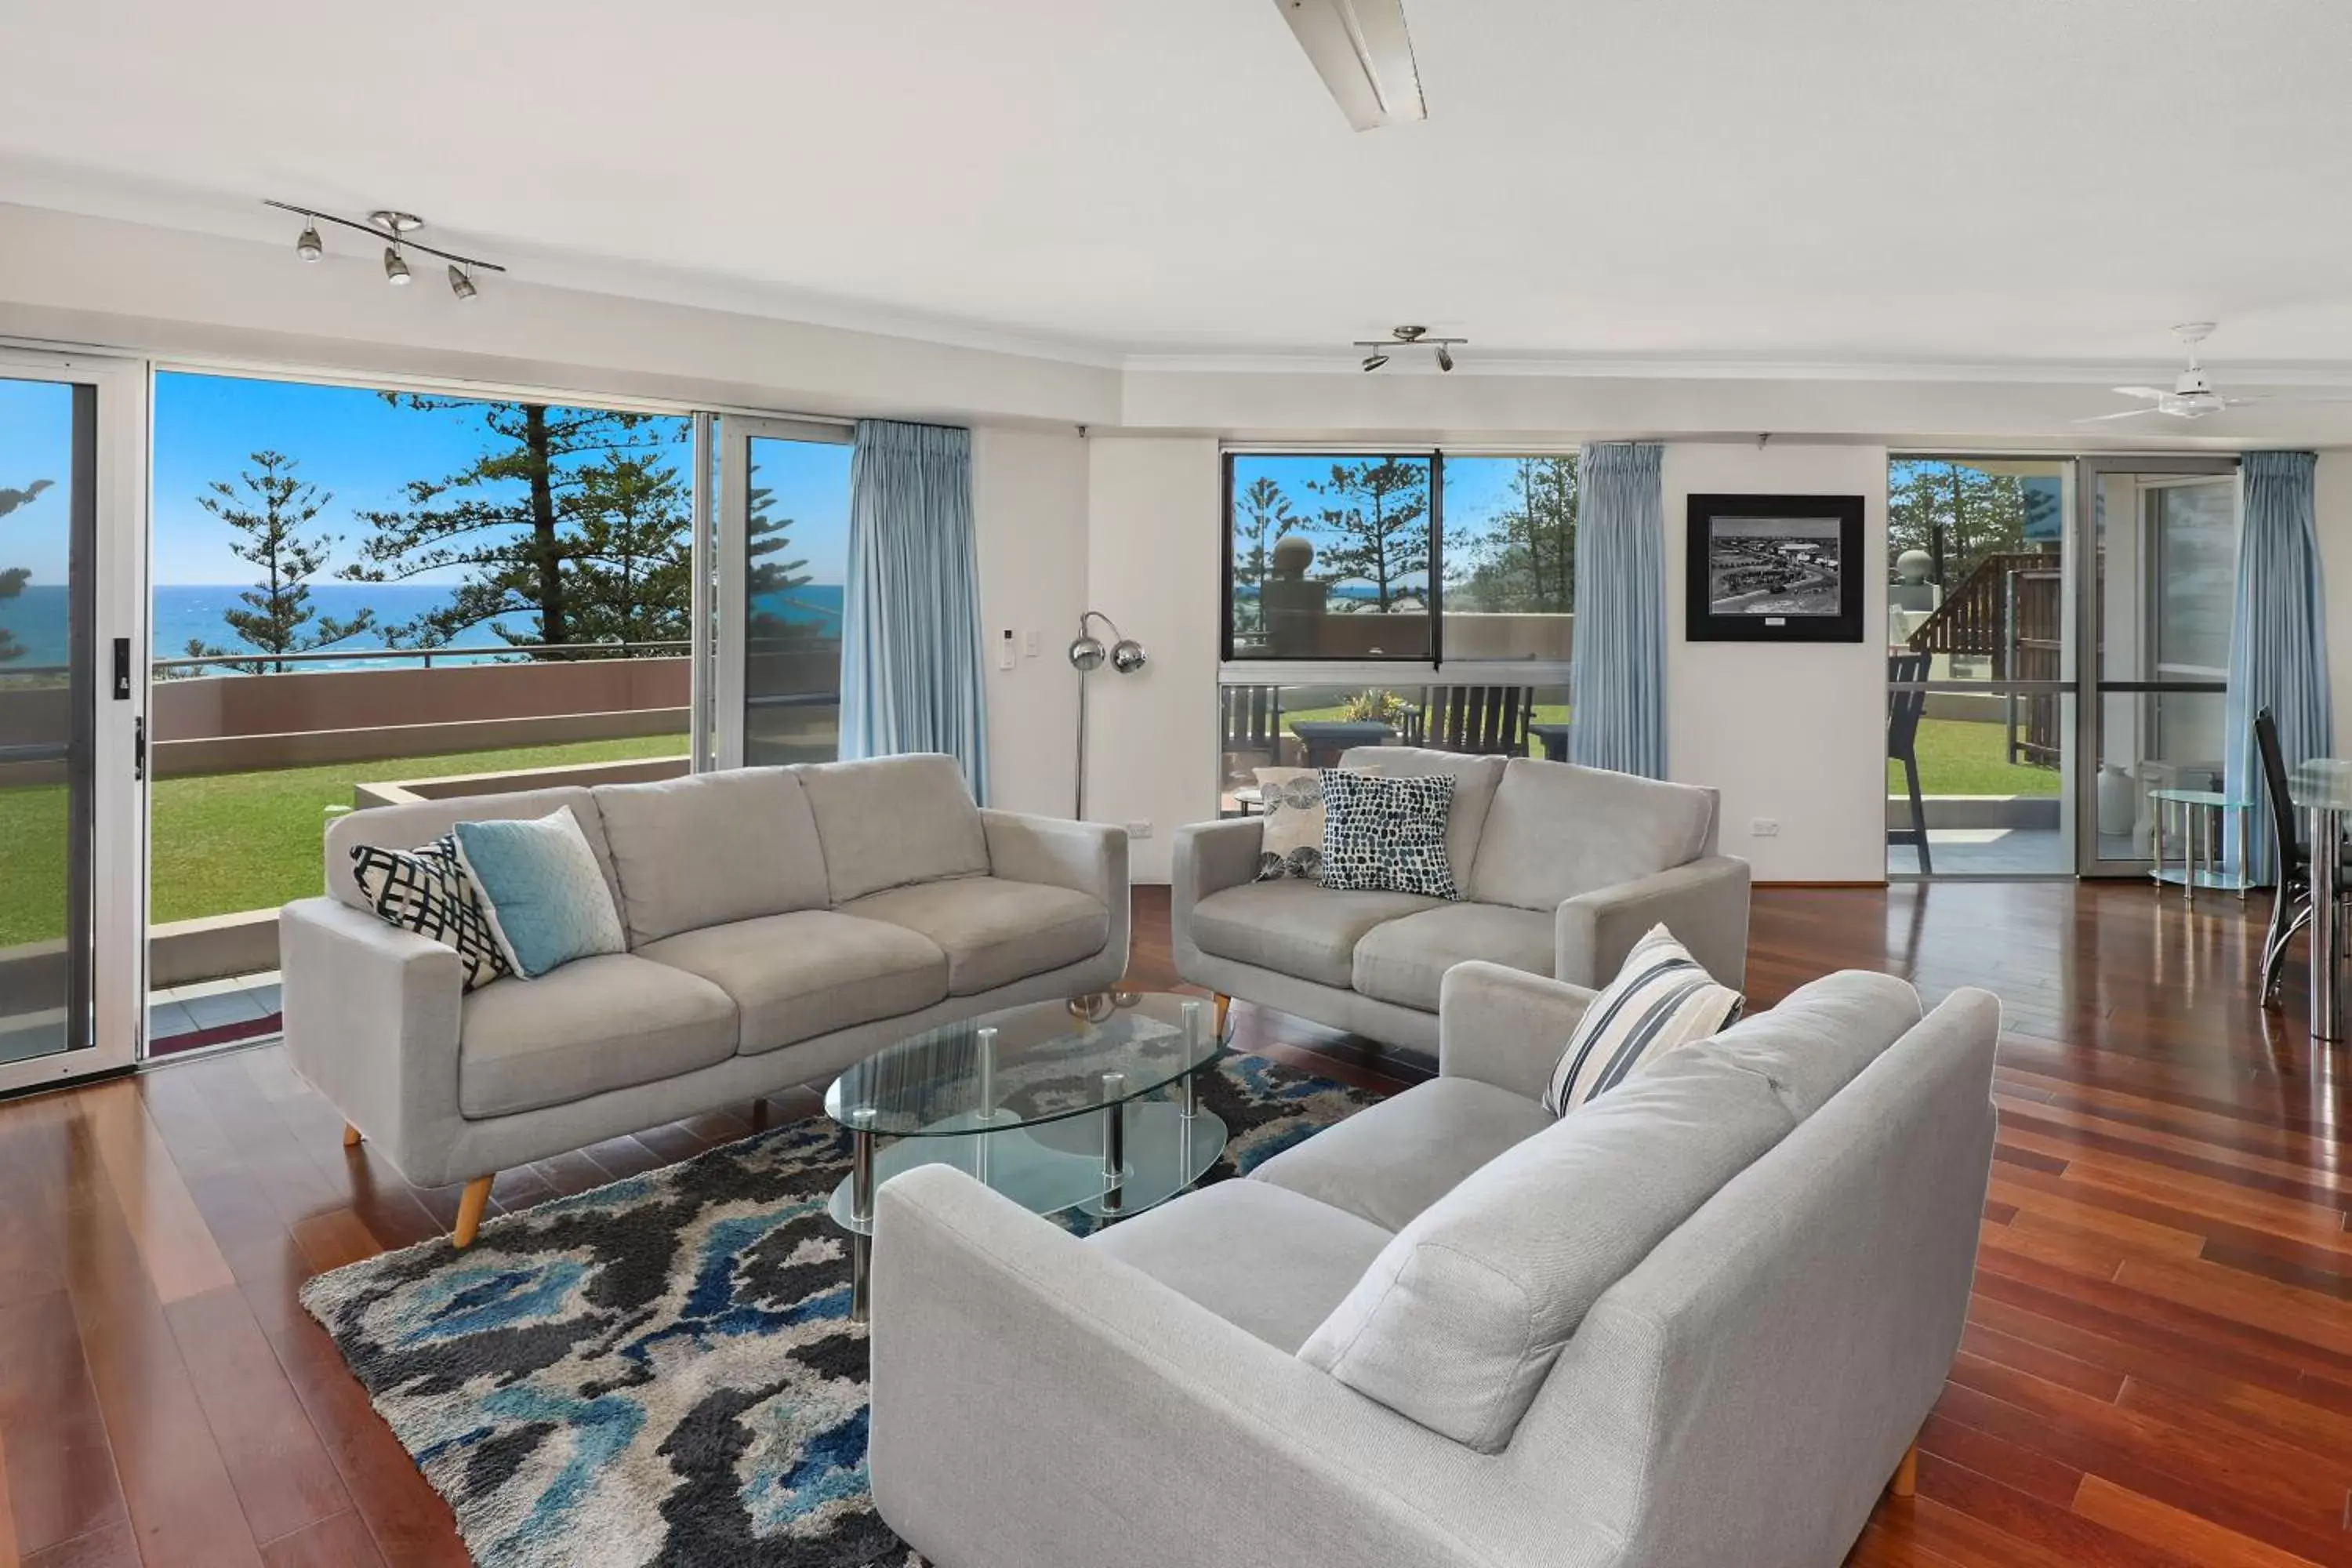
545, 894
1662, 997
1290, 844
425, 890
1386, 834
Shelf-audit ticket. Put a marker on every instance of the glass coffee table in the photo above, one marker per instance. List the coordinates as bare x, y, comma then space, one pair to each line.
1091, 1105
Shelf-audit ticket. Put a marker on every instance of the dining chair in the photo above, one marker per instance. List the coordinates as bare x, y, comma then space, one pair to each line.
2291, 905
1904, 708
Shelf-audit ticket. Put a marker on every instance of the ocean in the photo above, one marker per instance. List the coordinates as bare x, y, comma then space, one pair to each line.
184, 611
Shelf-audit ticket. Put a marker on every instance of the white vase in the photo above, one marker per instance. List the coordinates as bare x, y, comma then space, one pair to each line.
2119, 800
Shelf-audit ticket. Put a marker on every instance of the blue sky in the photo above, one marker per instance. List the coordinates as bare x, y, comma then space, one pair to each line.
351, 442
37, 443
1475, 489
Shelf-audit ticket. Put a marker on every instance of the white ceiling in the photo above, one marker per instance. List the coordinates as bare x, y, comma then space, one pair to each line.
1904, 182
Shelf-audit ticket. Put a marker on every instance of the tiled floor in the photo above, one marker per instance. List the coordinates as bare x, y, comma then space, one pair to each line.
212, 1012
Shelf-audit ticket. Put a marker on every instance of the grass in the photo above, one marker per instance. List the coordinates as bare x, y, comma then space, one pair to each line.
219, 842
1959, 757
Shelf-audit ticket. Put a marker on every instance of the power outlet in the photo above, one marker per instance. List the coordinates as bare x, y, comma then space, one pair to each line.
1765, 827
1140, 829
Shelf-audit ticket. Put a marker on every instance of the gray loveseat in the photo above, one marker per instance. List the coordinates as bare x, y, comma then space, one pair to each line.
1561, 870
781, 923
1696, 1322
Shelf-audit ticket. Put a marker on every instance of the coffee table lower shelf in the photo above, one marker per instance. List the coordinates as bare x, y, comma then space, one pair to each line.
1106, 1164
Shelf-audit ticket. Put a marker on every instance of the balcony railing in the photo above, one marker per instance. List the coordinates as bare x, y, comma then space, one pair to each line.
528, 653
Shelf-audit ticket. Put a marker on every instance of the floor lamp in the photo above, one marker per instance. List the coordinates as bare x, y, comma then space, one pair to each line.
1086, 656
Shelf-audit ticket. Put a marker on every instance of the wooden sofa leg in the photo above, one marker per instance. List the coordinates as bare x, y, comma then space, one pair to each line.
1907, 1474
469, 1211
1223, 1005
351, 1136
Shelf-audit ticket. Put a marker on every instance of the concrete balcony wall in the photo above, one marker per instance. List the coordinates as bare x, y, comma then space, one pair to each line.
1364, 633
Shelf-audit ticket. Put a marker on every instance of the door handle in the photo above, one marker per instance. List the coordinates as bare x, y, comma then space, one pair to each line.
139, 748
122, 669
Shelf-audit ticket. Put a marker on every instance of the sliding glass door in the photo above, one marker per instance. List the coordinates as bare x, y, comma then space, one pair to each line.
72, 689
782, 547
2157, 616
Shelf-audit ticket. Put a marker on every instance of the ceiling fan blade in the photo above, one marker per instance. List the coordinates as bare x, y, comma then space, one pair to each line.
2126, 414
2153, 394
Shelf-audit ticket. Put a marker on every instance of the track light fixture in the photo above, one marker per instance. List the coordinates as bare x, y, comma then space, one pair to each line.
1411, 338
399, 229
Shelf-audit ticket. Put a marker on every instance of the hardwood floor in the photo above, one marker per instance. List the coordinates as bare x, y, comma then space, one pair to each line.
2158, 1371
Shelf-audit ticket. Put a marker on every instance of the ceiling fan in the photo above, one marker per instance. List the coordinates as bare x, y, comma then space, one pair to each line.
1360, 49
2192, 394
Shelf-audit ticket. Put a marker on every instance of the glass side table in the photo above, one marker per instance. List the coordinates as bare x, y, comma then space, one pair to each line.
2207, 819
1091, 1104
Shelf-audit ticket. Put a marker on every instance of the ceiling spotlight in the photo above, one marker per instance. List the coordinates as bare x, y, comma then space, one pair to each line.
1440, 349
400, 228
1375, 360
309, 248
396, 270
1444, 357
459, 284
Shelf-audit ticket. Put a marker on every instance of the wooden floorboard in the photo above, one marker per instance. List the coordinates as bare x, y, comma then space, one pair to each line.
2157, 1371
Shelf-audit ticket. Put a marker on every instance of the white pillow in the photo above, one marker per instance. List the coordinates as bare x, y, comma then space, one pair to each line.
1662, 997
1291, 842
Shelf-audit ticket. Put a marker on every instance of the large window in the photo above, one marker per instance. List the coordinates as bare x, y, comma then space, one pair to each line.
795, 539
1333, 557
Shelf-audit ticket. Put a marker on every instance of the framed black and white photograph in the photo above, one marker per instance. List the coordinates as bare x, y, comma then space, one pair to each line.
1774, 569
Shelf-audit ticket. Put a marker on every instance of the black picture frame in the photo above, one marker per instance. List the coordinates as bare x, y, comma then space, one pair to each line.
1759, 568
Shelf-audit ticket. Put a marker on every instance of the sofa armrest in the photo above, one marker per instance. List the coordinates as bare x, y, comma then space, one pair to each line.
1504, 1027
372, 1021
1036, 1400
1703, 902
1087, 857
1209, 857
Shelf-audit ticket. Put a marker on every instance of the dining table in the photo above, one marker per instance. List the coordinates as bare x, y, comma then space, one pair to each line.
2322, 790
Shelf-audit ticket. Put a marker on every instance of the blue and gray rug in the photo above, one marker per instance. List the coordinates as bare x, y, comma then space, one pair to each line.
662, 1372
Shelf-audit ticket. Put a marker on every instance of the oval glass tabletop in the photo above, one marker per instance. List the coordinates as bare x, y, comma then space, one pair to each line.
2323, 783
1025, 1067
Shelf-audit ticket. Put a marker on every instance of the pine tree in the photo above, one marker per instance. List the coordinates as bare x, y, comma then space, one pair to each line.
631, 555
1959, 513
1527, 561
1260, 513
269, 516
13, 578
1376, 522
508, 519
765, 537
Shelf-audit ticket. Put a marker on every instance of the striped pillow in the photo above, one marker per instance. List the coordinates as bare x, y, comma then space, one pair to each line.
1661, 998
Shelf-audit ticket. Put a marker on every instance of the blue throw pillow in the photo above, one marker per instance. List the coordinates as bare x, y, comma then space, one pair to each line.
542, 889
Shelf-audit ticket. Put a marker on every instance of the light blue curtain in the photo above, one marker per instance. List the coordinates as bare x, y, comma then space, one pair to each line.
1617, 666
910, 642
2278, 639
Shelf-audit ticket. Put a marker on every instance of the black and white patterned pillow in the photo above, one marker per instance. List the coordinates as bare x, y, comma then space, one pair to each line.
1386, 834
426, 890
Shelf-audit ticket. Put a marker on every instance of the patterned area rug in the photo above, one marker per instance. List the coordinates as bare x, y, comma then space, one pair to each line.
662, 1372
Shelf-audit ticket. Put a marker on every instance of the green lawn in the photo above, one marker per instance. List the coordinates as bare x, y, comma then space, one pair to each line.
1957, 757
223, 842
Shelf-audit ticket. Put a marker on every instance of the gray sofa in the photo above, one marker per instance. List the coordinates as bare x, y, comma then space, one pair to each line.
1561, 870
1696, 1322
781, 923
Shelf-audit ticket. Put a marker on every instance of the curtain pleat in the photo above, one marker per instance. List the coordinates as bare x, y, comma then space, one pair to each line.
1617, 668
910, 642
2278, 639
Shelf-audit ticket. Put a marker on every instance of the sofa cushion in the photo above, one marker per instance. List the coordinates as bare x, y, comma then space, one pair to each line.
1301, 929
1391, 1161
1266, 1261
1386, 834
795, 977
715, 848
1405, 961
596, 1023
422, 821
1475, 782
994, 932
1818, 1037
1557, 830
547, 896
1458, 1323
889, 821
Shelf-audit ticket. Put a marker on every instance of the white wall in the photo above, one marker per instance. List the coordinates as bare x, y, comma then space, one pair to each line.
1153, 530
1029, 506
1793, 733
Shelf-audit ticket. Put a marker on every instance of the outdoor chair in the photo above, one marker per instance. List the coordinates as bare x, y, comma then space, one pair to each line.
1905, 703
